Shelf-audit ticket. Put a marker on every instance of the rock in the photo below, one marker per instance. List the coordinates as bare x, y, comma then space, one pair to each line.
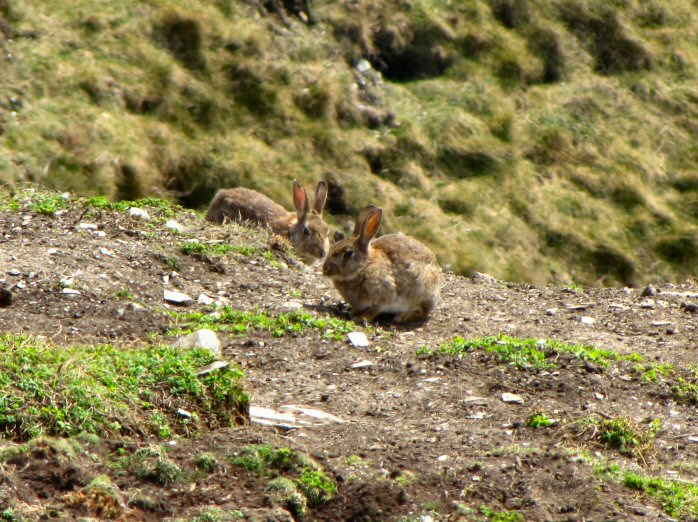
177, 297
200, 339
479, 277
292, 305
138, 213
475, 401
205, 300
184, 413
5, 298
362, 364
649, 291
88, 226
313, 413
175, 226
512, 398
587, 320
212, 367
358, 339
690, 307
70, 291
14, 272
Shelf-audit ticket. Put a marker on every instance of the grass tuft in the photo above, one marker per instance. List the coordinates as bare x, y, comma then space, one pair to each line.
230, 319
102, 389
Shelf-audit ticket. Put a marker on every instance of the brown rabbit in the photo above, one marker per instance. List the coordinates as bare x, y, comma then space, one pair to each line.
305, 227
394, 274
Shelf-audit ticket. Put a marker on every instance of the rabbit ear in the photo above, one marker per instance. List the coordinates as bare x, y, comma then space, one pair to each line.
320, 197
300, 199
362, 217
369, 227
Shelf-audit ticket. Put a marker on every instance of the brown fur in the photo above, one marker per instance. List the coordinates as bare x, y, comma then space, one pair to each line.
393, 274
305, 228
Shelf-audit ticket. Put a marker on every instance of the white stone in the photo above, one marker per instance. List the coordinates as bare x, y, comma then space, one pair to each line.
587, 320
174, 225
88, 226
358, 339
512, 398
205, 300
176, 297
70, 291
138, 213
210, 368
200, 339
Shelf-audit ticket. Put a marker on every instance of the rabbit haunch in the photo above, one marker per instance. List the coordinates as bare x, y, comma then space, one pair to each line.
305, 228
394, 274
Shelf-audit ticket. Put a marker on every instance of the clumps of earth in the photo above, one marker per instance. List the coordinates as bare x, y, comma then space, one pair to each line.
512, 402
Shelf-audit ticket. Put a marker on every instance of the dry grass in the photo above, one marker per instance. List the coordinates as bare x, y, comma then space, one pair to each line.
503, 133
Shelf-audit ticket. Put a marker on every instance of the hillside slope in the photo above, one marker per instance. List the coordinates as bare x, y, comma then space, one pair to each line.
537, 141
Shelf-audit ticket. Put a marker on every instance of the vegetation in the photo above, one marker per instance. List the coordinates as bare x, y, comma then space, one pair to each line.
528, 353
531, 140
297, 480
620, 433
679, 499
540, 420
230, 319
64, 391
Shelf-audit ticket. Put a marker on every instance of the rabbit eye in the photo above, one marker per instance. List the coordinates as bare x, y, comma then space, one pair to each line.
306, 231
348, 254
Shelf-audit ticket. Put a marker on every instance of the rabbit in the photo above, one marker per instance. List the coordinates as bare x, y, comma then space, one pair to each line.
305, 228
393, 274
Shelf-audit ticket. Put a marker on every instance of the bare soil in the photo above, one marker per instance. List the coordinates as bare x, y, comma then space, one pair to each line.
415, 439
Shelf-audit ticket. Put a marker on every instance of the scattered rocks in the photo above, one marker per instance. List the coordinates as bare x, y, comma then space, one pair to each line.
648, 291
203, 338
177, 298
138, 213
358, 339
512, 398
210, 368
184, 413
690, 307
175, 226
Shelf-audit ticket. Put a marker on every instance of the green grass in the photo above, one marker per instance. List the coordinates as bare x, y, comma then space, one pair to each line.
218, 249
163, 207
46, 389
501, 516
317, 486
622, 433
526, 353
678, 499
230, 319
536, 353
296, 478
540, 420
511, 143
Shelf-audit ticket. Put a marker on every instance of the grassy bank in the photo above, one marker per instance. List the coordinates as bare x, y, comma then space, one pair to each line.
535, 141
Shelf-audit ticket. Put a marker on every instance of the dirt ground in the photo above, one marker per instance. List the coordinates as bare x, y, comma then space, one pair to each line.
422, 438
